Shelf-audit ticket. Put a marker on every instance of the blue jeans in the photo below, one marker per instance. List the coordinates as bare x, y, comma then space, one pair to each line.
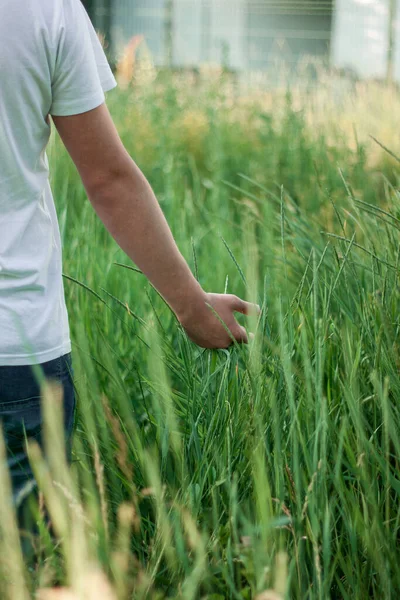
21, 415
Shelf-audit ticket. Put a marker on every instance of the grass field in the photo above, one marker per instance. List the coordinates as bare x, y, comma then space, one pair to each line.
267, 471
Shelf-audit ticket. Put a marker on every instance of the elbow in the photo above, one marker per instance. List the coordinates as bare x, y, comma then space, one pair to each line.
104, 185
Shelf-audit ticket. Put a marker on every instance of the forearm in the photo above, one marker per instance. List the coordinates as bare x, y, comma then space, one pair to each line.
129, 210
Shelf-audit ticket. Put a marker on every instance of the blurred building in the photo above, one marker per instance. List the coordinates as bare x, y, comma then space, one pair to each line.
361, 35
252, 35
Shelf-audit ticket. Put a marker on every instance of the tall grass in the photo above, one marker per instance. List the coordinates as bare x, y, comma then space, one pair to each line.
264, 471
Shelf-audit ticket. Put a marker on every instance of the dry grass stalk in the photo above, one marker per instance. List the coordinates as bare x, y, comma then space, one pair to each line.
126, 64
12, 582
95, 586
99, 469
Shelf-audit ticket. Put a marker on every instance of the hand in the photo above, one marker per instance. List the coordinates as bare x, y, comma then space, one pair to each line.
204, 328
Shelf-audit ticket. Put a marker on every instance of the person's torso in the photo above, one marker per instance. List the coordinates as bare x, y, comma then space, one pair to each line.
33, 318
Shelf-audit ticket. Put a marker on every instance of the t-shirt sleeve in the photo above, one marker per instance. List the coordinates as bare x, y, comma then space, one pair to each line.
81, 73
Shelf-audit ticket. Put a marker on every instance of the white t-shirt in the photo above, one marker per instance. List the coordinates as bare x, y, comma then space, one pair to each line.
51, 62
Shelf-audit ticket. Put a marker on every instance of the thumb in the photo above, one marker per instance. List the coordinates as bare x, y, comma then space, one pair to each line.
246, 308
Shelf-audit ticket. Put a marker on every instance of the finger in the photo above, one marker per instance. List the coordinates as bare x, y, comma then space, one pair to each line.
241, 336
246, 308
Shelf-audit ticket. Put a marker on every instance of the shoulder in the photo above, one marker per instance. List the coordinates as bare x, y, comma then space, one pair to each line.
56, 13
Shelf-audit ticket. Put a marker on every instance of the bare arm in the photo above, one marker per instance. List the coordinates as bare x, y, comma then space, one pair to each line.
124, 201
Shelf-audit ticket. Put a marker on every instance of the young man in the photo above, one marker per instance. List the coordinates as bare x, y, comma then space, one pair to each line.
51, 63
